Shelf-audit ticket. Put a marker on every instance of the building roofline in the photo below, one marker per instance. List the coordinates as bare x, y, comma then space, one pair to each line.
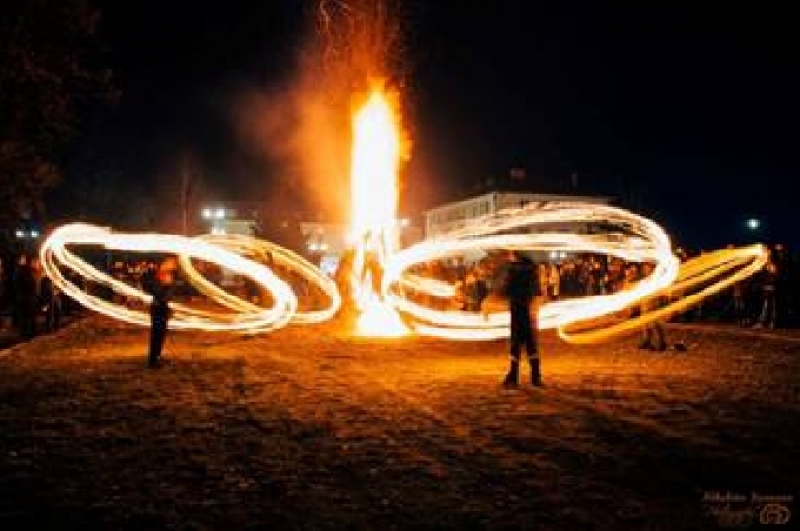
543, 196
455, 203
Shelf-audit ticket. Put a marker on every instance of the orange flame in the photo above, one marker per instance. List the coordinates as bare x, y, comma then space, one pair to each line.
377, 150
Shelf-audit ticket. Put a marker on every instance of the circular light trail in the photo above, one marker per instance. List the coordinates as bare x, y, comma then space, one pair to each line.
275, 255
54, 252
626, 235
711, 272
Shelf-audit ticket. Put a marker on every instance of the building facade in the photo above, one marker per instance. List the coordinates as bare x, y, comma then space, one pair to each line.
459, 214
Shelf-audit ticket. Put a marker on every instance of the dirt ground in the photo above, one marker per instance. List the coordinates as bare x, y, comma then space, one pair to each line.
310, 428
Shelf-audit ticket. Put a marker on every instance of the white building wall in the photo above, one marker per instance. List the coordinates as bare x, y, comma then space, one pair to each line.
233, 226
456, 215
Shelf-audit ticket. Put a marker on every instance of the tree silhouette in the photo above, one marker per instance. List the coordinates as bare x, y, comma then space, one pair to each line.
50, 72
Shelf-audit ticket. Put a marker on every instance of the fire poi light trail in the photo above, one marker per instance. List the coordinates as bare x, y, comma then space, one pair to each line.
275, 254
247, 318
632, 238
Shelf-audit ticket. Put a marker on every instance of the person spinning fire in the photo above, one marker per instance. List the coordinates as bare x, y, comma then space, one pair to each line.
158, 282
522, 289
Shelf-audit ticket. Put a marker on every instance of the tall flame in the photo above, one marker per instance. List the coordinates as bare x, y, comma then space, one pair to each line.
377, 146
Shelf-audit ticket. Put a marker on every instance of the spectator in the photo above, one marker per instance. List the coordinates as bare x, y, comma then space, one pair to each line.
24, 286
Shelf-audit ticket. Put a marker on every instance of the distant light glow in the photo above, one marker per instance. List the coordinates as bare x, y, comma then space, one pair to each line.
753, 224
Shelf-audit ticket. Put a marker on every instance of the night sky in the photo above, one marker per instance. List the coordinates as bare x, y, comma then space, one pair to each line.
690, 115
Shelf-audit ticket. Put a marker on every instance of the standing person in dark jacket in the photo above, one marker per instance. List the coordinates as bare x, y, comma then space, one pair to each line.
521, 287
24, 286
158, 283
769, 281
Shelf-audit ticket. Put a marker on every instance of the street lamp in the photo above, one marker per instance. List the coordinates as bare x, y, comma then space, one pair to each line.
753, 224
26, 234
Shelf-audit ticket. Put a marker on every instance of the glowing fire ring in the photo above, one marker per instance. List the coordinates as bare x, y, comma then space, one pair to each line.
54, 252
634, 239
265, 251
707, 270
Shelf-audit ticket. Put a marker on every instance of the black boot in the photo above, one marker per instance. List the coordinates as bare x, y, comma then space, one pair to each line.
512, 378
536, 374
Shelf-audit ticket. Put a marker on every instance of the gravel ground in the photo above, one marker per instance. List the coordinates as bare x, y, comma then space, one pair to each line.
310, 428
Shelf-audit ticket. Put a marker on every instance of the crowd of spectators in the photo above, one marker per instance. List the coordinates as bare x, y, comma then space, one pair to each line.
30, 303
769, 299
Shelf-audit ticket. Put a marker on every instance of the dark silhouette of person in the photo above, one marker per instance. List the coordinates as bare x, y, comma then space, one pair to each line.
475, 291
158, 283
342, 275
24, 286
739, 303
521, 287
373, 270
50, 302
769, 281
653, 337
